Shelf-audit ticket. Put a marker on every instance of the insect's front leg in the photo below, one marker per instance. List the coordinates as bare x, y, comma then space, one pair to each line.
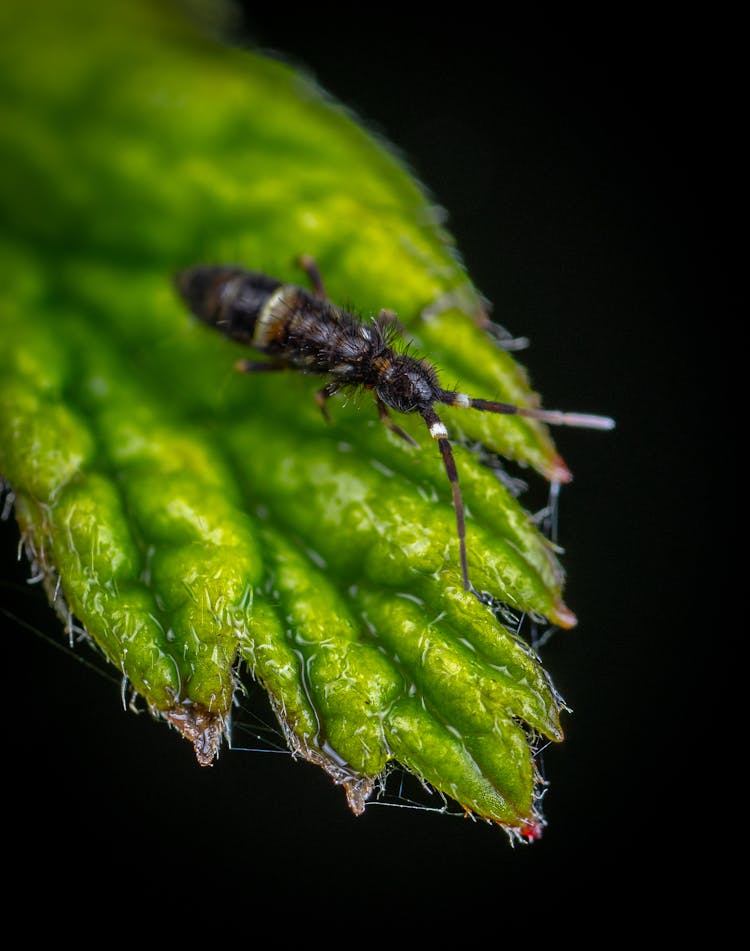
385, 417
461, 298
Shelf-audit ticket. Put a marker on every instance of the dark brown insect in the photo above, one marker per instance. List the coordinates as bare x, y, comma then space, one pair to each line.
305, 332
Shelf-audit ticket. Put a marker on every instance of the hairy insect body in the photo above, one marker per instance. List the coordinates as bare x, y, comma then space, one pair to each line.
286, 322
317, 337
306, 332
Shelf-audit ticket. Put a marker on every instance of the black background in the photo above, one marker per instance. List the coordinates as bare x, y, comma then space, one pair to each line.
574, 160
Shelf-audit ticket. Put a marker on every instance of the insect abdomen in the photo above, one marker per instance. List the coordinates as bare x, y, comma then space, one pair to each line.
284, 321
230, 299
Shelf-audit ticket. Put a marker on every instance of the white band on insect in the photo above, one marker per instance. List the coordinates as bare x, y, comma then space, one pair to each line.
268, 317
461, 399
438, 430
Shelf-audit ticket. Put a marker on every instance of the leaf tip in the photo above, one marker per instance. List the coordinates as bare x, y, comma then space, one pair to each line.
557, 470
563, 616
532, 831
358, 791
200, 727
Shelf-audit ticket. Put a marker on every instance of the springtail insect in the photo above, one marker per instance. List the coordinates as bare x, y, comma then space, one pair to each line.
306, 332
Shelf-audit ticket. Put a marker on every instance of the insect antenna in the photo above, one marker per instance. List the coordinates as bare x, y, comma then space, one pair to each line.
439, 432
551, 416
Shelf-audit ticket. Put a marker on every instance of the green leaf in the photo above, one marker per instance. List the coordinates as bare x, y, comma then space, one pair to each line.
200, 524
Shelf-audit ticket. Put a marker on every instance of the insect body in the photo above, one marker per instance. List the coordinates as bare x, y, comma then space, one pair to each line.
303, 331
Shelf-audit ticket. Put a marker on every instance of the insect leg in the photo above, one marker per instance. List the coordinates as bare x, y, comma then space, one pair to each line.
312, 270
439, 432
385, 417
463, 299
388, 319
248, 366
323, 395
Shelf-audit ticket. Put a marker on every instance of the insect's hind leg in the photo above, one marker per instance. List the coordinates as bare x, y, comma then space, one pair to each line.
310, 267
322, 397
250, 366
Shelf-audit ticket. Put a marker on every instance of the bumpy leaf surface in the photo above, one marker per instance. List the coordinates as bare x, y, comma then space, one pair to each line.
203, 525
